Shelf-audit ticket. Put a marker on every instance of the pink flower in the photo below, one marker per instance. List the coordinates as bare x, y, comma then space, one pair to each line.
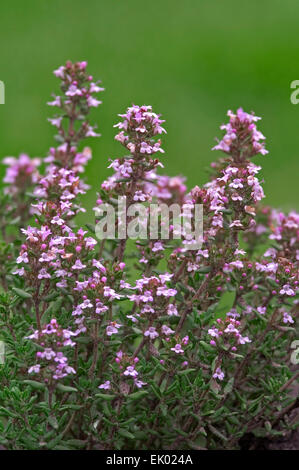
48, 354
185, 340
59, 72
23, 258
139, 383
98, 265
261, 310
20, 271
172, 310
108, 292
237, 264
287, 290
78, 265
55, 122
151, 332
130, 371
73, 91
100, 308
243, 339
166, 330
158, 246
236, 223
236, 184
43, 274
177, 349
106, 385
93, 102
55, 102
60, 358
164, 291
139, 196
204, 253
214, 332
57, 220
218, 374
287, 318
34, 369
112, 328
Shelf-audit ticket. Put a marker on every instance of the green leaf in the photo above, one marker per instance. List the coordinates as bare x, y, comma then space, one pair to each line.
186, 371
215, 386
126, 434
204, 269
272, 282
51, 296
105, 396
53, 421
137, 395
207, 347
76, 443
57, 305
156, 390
22, 293
217, 433
136, 330
83, 340
183, 287
66, 388
229, 386
268, 426
225, 303
164, 409
34, 384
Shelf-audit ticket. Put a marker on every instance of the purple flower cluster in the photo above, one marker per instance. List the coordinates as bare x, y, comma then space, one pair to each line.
78, 97
21, 173
228, 332
132, 174
138, 129
51, 361
242, 139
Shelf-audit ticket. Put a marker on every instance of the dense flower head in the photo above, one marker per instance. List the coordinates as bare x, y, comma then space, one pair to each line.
164, 188
152, 294
69, 157
77, 86
21, 173
285, 231
135, 176
229, 331
138, 129
140, 125
229, 200
242, 138
127, 369
51, 360
51, 254
57, 192
72, 123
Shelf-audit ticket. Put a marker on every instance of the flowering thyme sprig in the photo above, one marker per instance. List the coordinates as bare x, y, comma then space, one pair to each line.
51, 361
78, 97
20, 179
242, 140
51, 257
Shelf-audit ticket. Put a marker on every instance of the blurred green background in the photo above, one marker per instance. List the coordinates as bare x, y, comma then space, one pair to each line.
192, 60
